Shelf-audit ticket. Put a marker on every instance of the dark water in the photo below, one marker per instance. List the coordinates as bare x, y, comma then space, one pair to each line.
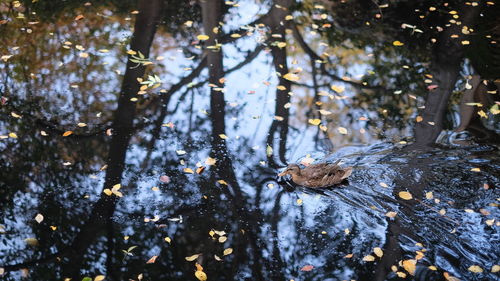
198, 184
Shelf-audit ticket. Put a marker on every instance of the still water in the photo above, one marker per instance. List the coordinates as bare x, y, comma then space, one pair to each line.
130, 152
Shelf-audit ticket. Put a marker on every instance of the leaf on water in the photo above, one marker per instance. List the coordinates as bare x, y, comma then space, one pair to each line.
152, 259
383, 184
378, 252
419, 119
87, 278
223, 136
228, 251
391, 214
475, 269
99, 278
368, 258
222, 239
13, 135
475, 170
397, 43
405, 195
307, 268
410, 266
429, 195
324, 112
193, 257
79, 17
39, 218
342, 130
107, 191
188, 170
291, 77
495, 268
222, 182
217, 258
314, 122
348, 256
200, 170
180, 152
31, 241
210, 161
338, 89
168, 240
67, 133
165, 179
269, 151
202, 276
203, 37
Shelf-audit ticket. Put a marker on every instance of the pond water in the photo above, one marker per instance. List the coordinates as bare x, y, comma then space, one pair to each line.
130, 152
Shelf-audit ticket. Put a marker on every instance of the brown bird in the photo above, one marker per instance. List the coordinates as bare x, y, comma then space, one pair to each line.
317, 175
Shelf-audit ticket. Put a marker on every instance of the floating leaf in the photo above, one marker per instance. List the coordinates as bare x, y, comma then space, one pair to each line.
203, 37
210, 161
368, 258
338, 89
342, 130
405, 195
269, 151
99, 278
291, 77
383, 184
152, 259
222, 239
299, 201
67, 133
228, 251
202, 276
168, 240
495, 268
429, 195
475, 269
378, 252
223, 136
391, 214
31, 241
165, 179
193, 257
410, 266
314, 122
188, 170
307, 268
397, 43
39, 218
13, 135
324, 112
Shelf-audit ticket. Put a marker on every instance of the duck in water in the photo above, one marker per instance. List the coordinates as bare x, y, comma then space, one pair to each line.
317, 175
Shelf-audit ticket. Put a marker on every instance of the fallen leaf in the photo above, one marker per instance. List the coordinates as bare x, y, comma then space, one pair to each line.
410, 266
307, 268
291, 77
193, 257
31, 241
67, 133
314, 122
202, 276
188, 170
391, 214
165, 179
405, 195
39, 218
342, 130
99, 278
228, 251
495, 268
210, 161
152, 259
368, 258
203, 37
378, 252
397, 43
168, 240
475, 269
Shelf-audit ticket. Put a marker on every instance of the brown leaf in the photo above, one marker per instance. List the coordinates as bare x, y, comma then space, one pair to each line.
307, 268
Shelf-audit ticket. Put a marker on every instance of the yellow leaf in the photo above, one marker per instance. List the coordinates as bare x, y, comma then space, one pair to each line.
99, 278
222, 136
198, 267
431, 267
368, 258
81, 125
475, 170
495, 268
235, 35
325, 112
15, 115
168, 240
338, 89
419, 119
342, 130
299, 201
281, 44
222, 182
152, 259
210, 161
383, 184
203, 37
475, 269
193, 257
391, 214
108, 191
222, 239
13, 135
228, 251
314, 122
378, 252
67, 133
405, 195
202, 276
397, 43
130, 52
429, 195
291, 77
188, 170
410, 266
103, 51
